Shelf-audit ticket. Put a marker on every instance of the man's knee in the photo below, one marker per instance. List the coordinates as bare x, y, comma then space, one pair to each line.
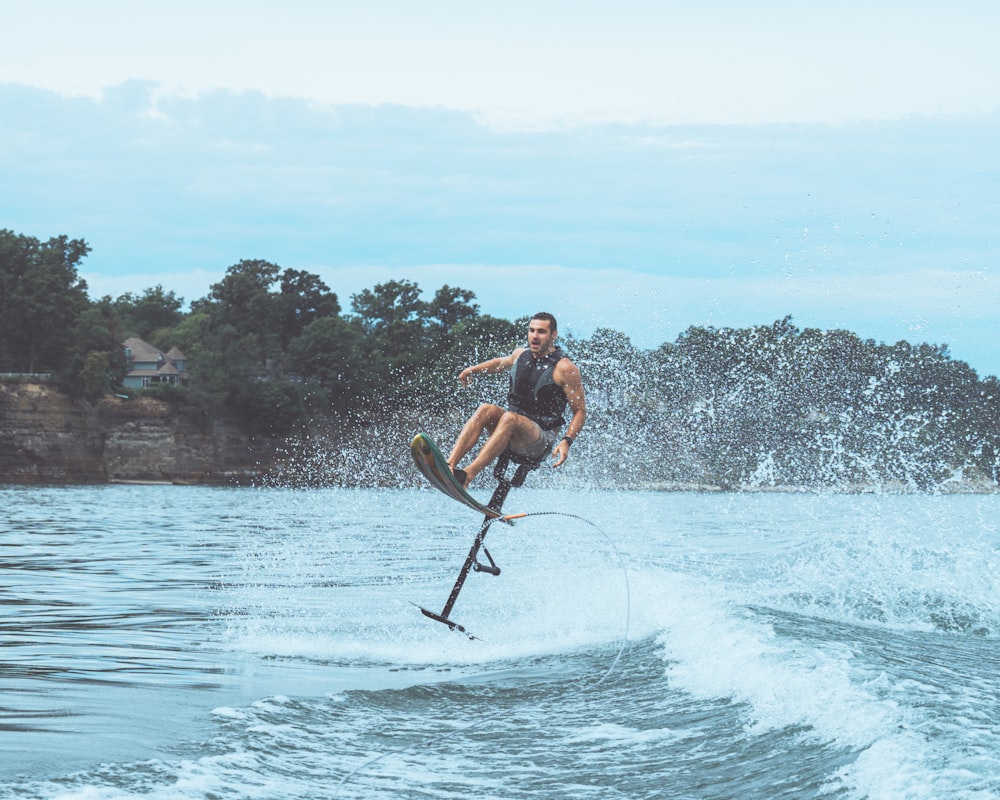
487, 416
509, 419
517, 428
488, 411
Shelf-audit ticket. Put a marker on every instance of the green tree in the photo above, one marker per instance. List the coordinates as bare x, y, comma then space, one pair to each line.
41, 298
451, 306
246, 330
96, 376
96, 361
388, 305
153, 310
243, 319
394, 319
302, 299
274, 408
331, 352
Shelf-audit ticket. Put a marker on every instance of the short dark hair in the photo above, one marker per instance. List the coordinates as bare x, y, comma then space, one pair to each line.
548, 318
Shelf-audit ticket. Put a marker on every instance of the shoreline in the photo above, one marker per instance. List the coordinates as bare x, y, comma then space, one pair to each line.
270, 481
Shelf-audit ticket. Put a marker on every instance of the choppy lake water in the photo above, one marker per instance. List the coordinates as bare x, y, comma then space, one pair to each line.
190, 642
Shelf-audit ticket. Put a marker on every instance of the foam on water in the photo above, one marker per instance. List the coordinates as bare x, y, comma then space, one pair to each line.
715, 646
750, 668
716, 652
534, 608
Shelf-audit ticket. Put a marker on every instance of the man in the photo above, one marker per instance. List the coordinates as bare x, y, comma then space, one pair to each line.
543, 382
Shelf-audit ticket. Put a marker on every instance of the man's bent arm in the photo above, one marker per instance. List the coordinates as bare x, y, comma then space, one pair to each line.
572, 384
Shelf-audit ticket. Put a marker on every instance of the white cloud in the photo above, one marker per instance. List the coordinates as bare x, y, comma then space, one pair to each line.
720, 61
888, 228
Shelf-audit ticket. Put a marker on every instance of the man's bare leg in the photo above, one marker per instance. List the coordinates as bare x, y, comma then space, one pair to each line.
483, 419
510, 428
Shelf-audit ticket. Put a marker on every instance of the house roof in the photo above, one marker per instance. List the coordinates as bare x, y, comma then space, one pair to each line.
141, 352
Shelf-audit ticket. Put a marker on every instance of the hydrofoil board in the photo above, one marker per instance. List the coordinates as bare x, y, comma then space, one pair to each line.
433, 466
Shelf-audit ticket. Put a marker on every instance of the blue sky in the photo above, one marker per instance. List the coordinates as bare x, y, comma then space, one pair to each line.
644, 166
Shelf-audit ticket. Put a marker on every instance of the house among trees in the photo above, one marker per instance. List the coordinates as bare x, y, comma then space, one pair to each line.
148, 366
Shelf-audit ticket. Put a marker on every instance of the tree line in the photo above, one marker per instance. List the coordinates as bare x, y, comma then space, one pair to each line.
273, 348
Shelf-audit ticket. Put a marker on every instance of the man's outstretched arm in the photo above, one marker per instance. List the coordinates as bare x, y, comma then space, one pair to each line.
491, 367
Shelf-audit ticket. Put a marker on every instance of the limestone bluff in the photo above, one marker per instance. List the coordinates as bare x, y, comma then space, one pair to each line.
47, 437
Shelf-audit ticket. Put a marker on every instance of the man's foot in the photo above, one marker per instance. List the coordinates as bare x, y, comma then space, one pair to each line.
460, 476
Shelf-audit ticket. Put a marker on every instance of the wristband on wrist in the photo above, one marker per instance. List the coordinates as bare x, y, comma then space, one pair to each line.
568, 439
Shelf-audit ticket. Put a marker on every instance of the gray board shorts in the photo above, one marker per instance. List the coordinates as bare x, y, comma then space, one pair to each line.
540, 448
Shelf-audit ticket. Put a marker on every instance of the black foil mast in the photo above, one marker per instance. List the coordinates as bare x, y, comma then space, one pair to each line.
472, 562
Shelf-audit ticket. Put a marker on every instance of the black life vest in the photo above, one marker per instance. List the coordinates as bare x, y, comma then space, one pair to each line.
533, 391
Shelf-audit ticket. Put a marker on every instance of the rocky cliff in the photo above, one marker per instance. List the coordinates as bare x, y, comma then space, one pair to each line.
46, 437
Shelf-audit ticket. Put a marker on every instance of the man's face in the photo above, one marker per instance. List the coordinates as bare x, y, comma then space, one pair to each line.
540, 336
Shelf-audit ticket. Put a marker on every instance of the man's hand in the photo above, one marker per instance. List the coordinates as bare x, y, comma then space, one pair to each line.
560, 452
